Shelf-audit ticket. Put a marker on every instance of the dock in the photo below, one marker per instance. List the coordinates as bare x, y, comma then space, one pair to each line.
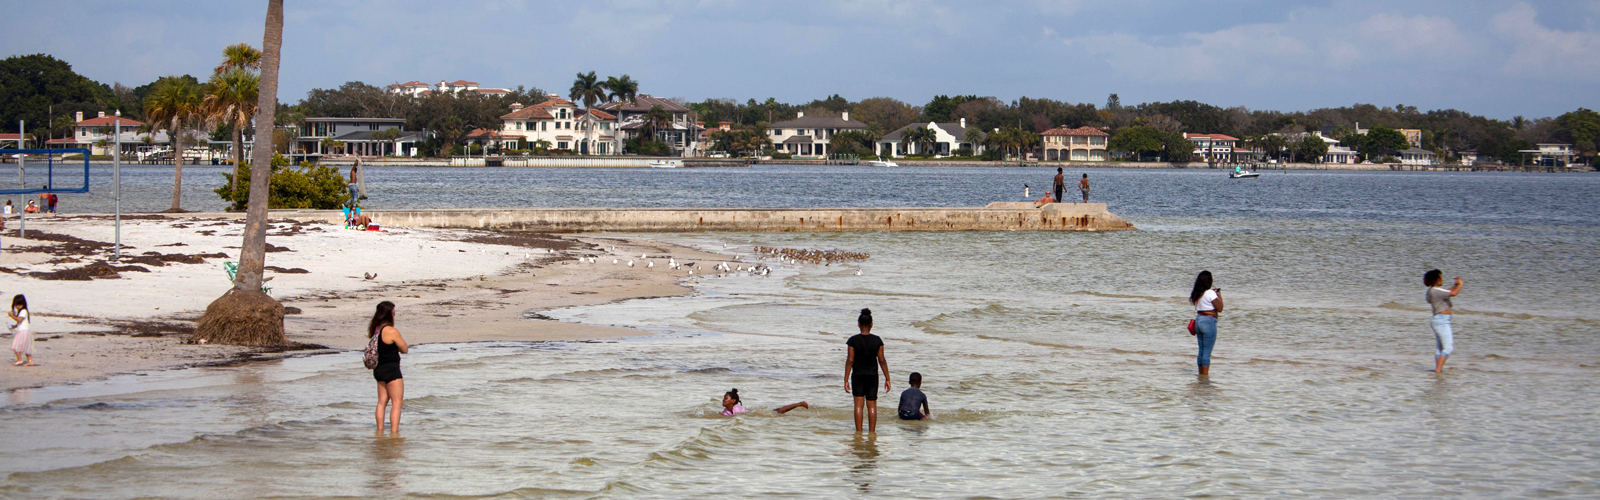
1003, 216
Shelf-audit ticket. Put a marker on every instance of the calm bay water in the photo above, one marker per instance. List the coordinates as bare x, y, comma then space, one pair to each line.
1056, 364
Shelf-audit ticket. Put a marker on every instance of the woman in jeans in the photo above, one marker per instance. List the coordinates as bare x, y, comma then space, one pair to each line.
1207, 303
1439, 300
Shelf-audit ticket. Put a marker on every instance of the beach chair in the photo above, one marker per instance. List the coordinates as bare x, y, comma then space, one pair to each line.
233, 271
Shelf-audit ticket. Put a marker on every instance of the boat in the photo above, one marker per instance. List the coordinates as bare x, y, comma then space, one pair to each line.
881, 163
1240, 173
666, 163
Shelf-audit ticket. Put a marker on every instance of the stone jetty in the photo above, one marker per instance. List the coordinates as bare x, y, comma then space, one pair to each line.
1005, 216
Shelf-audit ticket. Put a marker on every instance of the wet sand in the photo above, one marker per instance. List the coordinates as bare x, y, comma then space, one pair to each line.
94, 317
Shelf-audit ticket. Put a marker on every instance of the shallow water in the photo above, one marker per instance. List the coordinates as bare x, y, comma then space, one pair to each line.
1055, 365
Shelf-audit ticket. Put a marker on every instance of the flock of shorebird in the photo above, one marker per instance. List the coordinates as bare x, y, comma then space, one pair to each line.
785, 256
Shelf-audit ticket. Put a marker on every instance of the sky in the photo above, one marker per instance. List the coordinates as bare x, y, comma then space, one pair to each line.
1500, 59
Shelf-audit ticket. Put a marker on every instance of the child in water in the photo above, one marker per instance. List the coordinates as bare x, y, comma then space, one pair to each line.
913, 403
732, 405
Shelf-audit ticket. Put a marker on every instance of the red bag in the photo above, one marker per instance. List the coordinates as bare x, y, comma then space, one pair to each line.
1191, 327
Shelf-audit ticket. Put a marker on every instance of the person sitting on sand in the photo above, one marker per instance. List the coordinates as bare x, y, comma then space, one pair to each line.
21, 332
913, 403
732, 405
32, 208
9, 208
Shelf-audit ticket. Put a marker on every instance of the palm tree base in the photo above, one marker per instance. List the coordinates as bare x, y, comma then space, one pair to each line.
242, 317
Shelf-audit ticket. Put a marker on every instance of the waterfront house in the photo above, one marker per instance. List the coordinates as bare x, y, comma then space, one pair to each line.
562, 125
810, 135
948, 137
1212, 147
1468, 157
95, 134
1077, 144
354, 136
1413, 136
1416, 156
1549, 154
681, 134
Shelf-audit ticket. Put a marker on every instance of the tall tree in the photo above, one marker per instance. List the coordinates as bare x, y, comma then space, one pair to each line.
30, 85
175, 105
245, 314
231, 98
587, 89
619, 89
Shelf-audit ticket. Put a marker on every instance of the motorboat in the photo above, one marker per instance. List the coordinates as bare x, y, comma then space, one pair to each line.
882, 163
666, 163
1240, 173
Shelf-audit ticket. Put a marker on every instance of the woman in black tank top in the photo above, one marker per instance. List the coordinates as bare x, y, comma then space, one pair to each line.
863, 357
391, 385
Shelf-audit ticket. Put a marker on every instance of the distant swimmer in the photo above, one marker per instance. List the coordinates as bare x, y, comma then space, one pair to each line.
1207, 304
1439, 299
863, 358
732, 405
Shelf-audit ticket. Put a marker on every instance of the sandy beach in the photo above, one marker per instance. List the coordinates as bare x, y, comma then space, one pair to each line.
94, 318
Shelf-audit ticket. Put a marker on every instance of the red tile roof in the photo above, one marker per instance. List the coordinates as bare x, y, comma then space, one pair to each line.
598, 114
10, 137
483, 132
1080, 131
106, 121
537, 111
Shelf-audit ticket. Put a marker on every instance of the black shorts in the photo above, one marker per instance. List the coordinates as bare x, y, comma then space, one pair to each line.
864, 385
387, 372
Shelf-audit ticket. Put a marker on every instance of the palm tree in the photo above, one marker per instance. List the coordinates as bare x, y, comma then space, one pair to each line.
655, 120
919, 136
174, 104
587, 89
974, 136
231, 98
245, 314
622, 88
239, 56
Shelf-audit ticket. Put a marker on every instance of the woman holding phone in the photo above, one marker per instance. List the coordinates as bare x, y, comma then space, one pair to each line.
1207, 304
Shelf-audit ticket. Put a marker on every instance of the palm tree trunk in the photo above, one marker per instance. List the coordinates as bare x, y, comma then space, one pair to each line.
252, 254
177, 163
238, 157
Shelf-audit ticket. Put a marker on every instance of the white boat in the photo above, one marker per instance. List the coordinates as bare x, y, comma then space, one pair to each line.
1244, 174
666, 163
881, 163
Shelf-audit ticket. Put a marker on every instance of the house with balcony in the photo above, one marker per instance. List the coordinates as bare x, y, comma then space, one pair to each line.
322, 136
948, 137
810, 135
1417, 157
1549, 154
1076, 144
680, 133
561, 125
1213, 147
97, 135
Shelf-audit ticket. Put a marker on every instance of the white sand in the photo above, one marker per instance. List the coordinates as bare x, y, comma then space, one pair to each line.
445, 290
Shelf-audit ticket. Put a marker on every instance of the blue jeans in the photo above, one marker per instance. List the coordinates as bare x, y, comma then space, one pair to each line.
1444, 340
1205, 332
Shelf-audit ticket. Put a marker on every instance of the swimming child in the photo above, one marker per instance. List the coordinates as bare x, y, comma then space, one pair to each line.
21, 332
732, 405
913, 403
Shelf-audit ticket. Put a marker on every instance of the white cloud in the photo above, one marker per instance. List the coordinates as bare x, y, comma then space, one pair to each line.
1540, 52
1248, 51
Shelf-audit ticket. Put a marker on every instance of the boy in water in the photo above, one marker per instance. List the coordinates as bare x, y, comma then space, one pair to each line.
913, 403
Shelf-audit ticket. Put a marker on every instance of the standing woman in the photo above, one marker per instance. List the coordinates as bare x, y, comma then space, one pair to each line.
1439, 299
391, 386
1207, 303
21, 332
864, 349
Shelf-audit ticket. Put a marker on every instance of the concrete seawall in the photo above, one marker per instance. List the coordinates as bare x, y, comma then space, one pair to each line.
995, 217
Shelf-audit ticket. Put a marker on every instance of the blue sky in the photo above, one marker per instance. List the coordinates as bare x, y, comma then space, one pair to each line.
1495, 58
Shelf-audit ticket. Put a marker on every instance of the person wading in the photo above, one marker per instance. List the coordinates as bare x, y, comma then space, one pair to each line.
864, 357
1439, 299
391, 384
1207, 304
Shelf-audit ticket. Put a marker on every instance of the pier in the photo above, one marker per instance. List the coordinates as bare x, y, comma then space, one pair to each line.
1004, 216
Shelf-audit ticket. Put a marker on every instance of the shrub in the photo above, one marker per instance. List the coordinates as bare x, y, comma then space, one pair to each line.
962, 151
307, 186
782, 156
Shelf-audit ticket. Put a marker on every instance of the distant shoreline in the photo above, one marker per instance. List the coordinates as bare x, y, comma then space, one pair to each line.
737, 163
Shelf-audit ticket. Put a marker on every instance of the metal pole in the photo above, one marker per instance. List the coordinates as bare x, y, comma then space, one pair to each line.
116, 182
22, 215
